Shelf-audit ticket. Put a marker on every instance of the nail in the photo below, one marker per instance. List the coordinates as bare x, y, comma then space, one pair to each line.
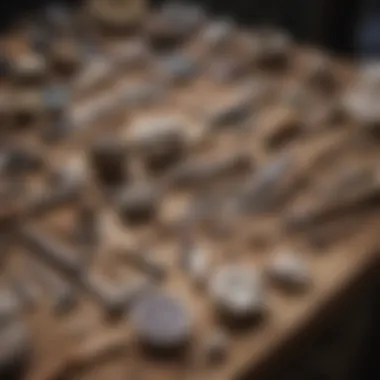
51, 252
143, 262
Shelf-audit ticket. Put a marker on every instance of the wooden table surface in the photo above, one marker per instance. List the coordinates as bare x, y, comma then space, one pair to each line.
63, 341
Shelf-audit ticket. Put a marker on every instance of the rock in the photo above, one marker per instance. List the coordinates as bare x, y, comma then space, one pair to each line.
161, 142
173, 24
289, 271
29, 68
218, 34
195, 261
138, 204
236, 291
162, 322
177, 69
97, 73
231, 112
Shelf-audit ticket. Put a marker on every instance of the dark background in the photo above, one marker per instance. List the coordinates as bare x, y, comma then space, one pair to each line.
345, 26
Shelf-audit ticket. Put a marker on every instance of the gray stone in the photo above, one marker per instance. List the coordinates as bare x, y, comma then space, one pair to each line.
161, 321
290, 271
236, 291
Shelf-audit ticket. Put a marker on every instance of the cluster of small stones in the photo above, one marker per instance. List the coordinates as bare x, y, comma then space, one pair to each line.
122, 109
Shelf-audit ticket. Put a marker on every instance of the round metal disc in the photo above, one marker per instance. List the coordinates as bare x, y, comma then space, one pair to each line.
161, 321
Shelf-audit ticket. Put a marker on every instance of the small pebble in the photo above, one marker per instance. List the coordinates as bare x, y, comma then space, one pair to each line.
161, 321
29, 68
263, 191
289, 271
196, 262
177, 69
173, 24
233, 112
98, 72
219, 34
138, 204
161, 142
236, 291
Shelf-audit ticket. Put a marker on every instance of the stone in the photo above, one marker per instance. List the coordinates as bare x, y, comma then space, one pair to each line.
138, 204
177, 69
161, 321
218, 34
289, 271
195, 260
232, 112
173, 24
29, 68
161, 142
236, 291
